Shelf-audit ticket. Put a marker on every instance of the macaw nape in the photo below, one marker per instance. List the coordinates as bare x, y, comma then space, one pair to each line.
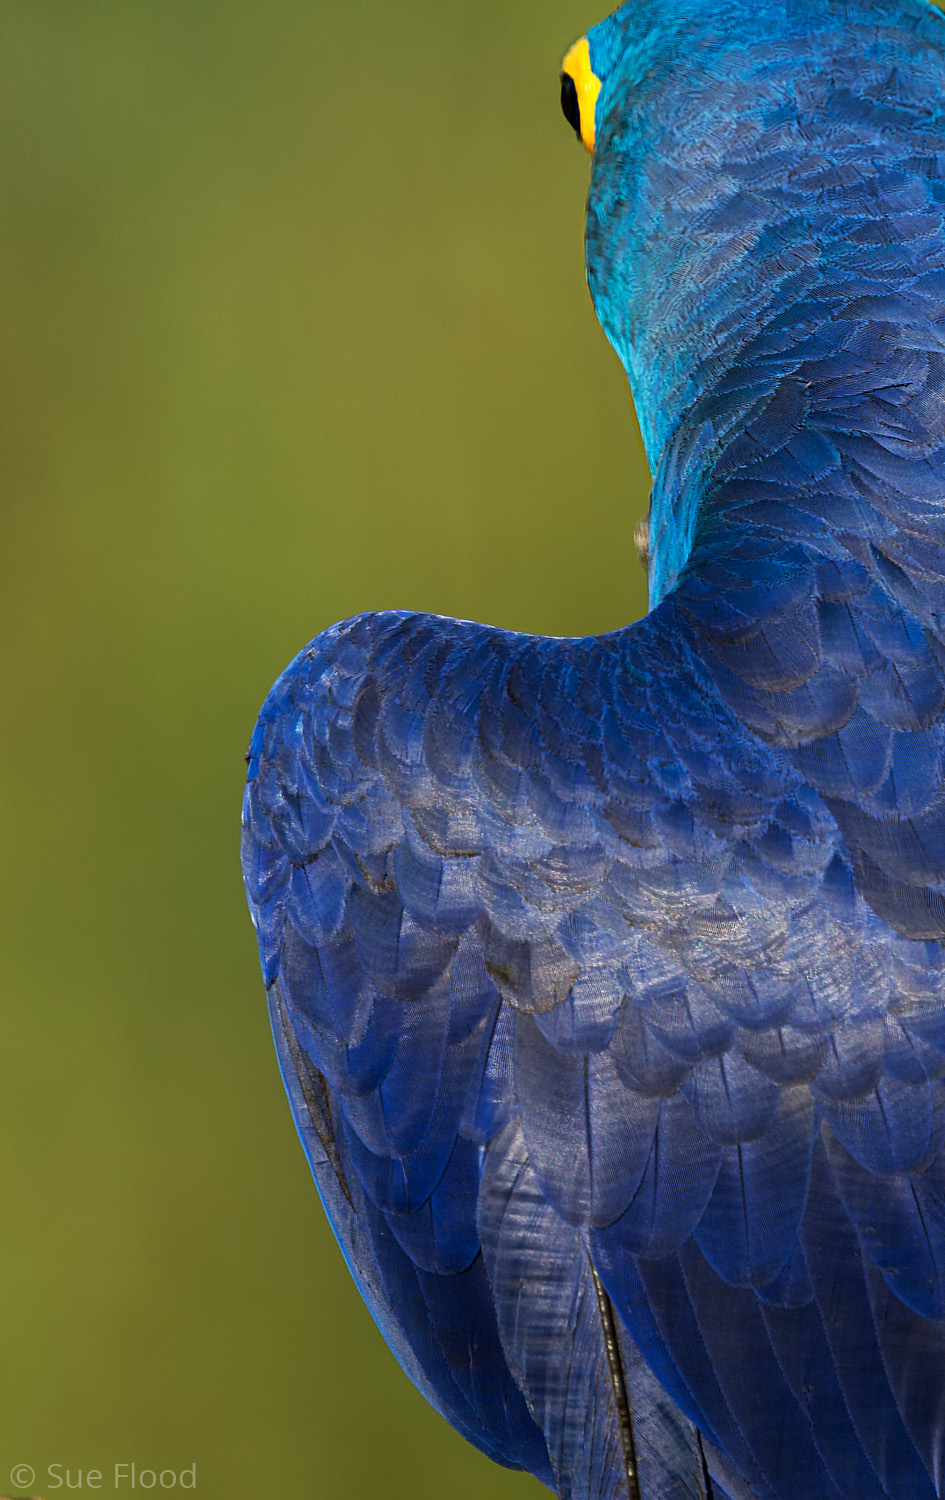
607, 974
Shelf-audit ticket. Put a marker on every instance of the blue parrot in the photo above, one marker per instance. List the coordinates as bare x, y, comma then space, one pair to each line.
607, 975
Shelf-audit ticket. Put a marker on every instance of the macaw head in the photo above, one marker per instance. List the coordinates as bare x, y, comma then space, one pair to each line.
626, 41
628, 54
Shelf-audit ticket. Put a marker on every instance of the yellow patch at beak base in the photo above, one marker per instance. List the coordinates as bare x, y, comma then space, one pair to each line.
577, 65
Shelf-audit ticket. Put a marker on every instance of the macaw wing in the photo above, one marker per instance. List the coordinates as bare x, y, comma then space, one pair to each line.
567, 966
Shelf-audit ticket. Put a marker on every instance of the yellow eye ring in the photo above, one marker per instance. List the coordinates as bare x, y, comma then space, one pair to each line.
580, 88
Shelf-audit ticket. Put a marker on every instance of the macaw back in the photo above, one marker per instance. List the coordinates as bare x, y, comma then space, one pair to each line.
607, 974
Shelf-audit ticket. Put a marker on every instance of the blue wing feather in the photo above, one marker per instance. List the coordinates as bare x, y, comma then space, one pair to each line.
549, 1320
837, 1270
750, 1225
732, 1328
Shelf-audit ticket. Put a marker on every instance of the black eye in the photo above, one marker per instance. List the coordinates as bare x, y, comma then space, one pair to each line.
569, 103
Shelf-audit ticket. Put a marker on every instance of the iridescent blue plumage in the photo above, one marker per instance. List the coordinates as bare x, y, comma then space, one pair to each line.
607, 974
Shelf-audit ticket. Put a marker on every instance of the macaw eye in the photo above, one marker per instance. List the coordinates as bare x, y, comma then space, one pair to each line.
569, 103
580, 88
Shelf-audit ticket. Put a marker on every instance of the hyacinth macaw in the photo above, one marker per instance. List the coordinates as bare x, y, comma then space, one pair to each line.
607, 974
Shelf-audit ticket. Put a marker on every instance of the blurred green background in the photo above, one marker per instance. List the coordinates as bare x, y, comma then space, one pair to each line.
295, 325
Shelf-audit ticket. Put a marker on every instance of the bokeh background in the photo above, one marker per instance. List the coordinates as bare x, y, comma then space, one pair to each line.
295, 325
